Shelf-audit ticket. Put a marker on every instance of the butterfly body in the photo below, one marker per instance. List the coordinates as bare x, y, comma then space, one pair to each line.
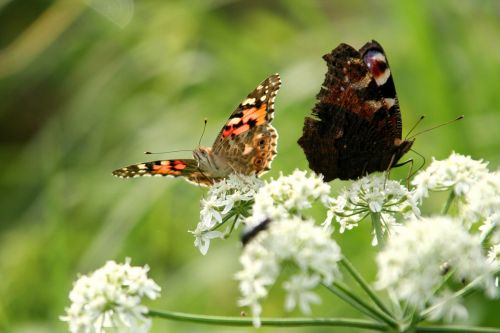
246, 144
355, 127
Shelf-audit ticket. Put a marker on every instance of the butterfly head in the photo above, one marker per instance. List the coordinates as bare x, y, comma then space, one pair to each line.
210, 163
202, 155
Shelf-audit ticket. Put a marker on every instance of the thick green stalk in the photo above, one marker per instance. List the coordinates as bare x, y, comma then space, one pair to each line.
366, 287
283, 322
295, 322
456, 329
346, 295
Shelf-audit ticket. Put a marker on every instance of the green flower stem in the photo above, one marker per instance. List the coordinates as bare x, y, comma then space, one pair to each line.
377, 226
224, 220
242, 210
456, 329
468, 289
486, 235
451, 197
283, 322
366, 287
445, 280
232, 225
347, 296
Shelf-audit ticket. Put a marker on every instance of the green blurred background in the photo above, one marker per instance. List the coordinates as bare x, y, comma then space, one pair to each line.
87, 87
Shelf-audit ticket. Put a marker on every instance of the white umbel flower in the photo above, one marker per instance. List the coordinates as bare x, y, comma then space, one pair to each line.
411, 265
109, 300
289, 241
288, 196
224, 200
373, 194
457, 173
482, 201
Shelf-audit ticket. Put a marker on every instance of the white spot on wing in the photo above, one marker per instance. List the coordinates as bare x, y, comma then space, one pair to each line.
248, 101
233, 121
379, 57
389, 102
382, 78
248, 149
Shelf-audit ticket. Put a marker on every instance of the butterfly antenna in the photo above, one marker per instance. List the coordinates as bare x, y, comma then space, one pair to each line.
165, 152
415, 126
420, 167
433, 128
203, 132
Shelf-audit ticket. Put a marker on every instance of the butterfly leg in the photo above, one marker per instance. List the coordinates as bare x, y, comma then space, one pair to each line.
388, 170
410, 171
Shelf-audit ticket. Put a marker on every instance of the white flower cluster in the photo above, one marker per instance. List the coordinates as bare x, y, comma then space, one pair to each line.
230, 197
288, 196
482, 201
478, 191
457, 173
281, 236
110, 298
411, 266
368, 195
288, 241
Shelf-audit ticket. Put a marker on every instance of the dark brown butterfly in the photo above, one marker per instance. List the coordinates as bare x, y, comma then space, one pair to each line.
355, 126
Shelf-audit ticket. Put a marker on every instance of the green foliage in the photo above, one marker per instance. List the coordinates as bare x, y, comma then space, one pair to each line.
80, 96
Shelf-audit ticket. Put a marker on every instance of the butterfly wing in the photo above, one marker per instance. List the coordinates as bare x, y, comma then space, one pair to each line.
247, 142
187, 168
355, 128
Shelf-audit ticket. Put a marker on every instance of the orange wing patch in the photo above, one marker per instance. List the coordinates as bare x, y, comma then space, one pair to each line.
250, 118
173, 168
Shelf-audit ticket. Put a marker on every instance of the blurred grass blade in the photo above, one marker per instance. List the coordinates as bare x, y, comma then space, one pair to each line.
38, 36
120, 12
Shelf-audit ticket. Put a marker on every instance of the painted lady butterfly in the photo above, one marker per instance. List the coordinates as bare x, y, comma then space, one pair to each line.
355, 128
246, 144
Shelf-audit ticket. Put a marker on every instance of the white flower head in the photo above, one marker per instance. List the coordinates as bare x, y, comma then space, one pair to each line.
457, 173
224, 200
288, 196
109, 300
368, 195
289, 241
482, 201
411, 265
203, 238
